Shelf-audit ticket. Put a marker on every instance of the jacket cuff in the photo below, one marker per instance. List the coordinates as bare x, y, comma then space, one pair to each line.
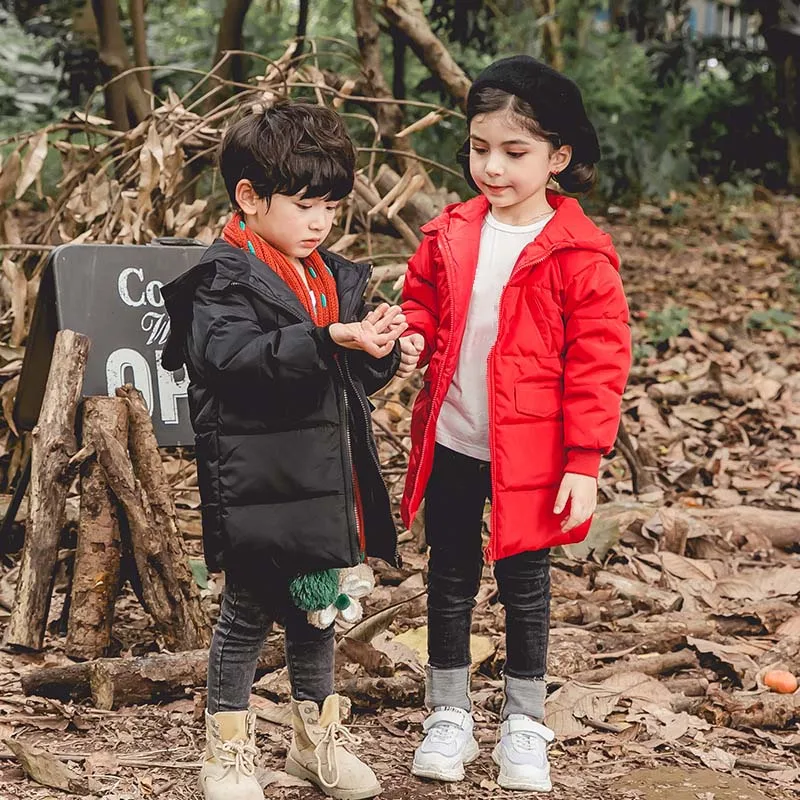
325, 343
583, 462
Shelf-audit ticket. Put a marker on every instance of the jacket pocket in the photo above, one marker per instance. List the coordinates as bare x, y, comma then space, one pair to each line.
538, 400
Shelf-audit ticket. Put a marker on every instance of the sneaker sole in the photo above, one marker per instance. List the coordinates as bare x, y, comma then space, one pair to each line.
452, 775
299, 771
504, 782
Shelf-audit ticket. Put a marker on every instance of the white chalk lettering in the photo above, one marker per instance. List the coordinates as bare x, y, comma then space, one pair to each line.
128, 366
169, 390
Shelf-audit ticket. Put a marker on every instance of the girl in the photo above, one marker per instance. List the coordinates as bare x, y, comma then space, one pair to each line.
515, 303
280, 358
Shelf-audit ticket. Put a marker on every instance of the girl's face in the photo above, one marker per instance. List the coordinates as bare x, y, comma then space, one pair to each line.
511, 167
295, 225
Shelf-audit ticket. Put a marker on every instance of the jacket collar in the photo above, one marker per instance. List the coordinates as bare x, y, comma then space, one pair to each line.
570, 228
234, 265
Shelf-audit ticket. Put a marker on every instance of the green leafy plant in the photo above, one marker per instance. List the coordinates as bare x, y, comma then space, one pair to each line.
774, 319
661, 326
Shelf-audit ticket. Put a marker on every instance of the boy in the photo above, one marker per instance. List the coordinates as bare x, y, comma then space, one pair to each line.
281, 358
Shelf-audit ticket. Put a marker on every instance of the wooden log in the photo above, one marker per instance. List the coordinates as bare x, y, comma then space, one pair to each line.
689, 687
639, 593
583, 612
368, 193
154, 558
419, 208
671, 631
745, 710
649, 665
137, 680
165, 546
96, 576
399, 691
782, 528
53, 443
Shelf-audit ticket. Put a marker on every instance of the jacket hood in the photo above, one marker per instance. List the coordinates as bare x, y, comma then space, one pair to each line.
570, 228
228, 263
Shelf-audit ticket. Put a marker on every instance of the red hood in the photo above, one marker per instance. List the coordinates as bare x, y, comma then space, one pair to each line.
570, 227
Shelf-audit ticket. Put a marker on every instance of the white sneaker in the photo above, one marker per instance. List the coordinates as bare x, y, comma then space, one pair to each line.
521, 754
448, 745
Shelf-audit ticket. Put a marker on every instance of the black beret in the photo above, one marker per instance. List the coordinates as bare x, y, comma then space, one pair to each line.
555, 99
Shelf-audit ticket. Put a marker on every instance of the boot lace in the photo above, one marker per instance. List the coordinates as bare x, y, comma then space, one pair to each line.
238, 755
327, 747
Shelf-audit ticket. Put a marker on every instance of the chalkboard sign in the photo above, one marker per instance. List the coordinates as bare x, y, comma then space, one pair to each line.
112, 294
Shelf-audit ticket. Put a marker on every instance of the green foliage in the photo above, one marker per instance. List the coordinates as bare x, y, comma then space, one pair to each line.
669, 112
774, 319
663, 125
661, 326
29, 81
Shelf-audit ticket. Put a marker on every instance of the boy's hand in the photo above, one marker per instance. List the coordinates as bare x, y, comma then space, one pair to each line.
410, 350
375, 334
582, 491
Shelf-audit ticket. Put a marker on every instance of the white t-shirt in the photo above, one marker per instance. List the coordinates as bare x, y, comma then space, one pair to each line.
463, 423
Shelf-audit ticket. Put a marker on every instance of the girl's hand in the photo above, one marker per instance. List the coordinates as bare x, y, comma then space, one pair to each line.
581, 491
410, 349
375, 334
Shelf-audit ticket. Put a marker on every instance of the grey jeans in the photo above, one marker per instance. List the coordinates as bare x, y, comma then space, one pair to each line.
244, 622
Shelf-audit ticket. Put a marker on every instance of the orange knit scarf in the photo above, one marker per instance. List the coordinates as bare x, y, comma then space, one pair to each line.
319, 282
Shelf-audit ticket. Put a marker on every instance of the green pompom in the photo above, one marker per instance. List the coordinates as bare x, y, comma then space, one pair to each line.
315, 590
342, 602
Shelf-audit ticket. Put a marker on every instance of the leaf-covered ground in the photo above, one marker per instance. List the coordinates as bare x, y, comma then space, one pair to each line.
663, 624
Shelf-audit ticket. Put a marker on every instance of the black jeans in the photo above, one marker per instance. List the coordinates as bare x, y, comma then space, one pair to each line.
244, 622
454, 501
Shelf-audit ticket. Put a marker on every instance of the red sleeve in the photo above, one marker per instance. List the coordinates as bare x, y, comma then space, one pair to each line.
420, 297
598, 358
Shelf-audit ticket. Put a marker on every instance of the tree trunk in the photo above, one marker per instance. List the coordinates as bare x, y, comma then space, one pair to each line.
126, 102
551, 34
780, 23
230, 37
408, 16
388, 115
301, 28
140, 57
95, 579
399, 48
53, 445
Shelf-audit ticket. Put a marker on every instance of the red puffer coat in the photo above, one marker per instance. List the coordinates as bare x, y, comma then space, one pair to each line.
555, 374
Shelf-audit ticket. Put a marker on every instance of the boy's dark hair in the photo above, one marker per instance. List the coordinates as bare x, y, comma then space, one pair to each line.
290, 147
578, 176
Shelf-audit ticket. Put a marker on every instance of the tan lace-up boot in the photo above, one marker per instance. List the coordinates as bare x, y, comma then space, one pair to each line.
228, 771
318, 751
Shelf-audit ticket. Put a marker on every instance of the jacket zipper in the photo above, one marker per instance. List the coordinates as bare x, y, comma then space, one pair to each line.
491, 547
370, 440
355, 545
435, 389
355, 548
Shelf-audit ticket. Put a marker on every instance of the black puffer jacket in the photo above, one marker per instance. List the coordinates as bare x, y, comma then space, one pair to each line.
280, 413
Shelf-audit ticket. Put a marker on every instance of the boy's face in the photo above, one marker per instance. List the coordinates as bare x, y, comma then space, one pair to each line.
295, 225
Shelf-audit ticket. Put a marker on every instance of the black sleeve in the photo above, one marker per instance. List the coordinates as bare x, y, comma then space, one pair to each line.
374, 373
238, 355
